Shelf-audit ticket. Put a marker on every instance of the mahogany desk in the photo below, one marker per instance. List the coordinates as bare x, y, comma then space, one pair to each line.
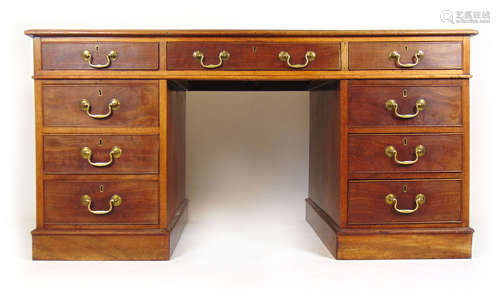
389, 135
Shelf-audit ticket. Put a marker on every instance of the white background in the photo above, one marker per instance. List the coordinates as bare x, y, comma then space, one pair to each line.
247, 164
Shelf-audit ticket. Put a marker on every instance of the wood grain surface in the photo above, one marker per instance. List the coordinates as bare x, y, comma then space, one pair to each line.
138, 103
140, 154
68, 55
443, 153
367, 203
252, 55
375, 55
367, 103
139, 202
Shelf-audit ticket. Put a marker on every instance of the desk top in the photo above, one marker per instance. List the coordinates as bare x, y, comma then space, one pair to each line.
248, 33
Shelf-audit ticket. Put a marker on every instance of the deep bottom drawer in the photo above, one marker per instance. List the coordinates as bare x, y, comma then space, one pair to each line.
65, 202
368, 202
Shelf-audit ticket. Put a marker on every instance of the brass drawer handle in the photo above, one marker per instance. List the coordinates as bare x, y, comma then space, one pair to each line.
285, 57
391, 105
418, 56
114, 104
115, 153
223, 55
391, 200
111, 56
115, 200
391, 152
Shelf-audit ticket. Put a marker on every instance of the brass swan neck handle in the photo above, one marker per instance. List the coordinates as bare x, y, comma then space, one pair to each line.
223, 55
113, 105
391, 152
115, 200
392, 105
114, 153
417, 57
285, 57
111, 56
392, 200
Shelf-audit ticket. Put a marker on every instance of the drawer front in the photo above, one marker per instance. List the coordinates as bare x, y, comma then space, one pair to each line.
124, 153
129, 55
377, 55
398, 104
371, 153
96, 104
253, 56
65, 202
441, 202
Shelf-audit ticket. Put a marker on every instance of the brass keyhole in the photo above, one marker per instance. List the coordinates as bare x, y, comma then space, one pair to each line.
406, 48
100, 142
99, 92
405, 141
405, 188
405, 93
101, 188
254, 49
96, 48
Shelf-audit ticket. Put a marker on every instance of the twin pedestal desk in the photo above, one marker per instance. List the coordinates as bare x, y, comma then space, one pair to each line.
389, 135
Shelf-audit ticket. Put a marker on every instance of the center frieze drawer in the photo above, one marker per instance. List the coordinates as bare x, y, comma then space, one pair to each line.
108, 202
101, 154
100, 104
253, 56
398, 153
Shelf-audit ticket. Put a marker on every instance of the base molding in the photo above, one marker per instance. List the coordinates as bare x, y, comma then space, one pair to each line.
101, 245
401, 243
98, 246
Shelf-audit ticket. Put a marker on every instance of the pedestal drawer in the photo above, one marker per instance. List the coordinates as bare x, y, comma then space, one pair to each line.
100, 104
396, 153
111, 202
100, 55
385, 103
404, 202
101, 154
253, 56
405, 55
